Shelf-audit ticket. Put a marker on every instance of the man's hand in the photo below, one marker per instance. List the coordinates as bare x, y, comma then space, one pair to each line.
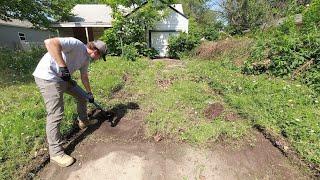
90, 97
64, 73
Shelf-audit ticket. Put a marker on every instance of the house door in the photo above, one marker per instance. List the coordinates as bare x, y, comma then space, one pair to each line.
160, 41
80, 33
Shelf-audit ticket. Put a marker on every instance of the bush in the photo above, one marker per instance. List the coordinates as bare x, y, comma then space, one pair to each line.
211, 34
290, 51
181, 44
311, 17
130, 52
112, 40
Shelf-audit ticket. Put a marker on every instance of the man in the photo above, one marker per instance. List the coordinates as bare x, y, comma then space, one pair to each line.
53, 75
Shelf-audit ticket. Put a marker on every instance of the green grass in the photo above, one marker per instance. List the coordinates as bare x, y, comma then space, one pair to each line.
22, 113
174, 100
286, 108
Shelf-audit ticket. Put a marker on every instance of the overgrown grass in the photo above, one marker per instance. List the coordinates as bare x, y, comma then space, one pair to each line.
22, 118
287, 108
176, 100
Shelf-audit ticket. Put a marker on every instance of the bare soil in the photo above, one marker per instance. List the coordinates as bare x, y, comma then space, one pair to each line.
117, 149
122, 152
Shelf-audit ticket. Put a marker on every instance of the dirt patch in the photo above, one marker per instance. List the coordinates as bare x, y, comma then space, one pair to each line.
165, 83
99, 157
209, 49
214, 110
231, 116
285, 148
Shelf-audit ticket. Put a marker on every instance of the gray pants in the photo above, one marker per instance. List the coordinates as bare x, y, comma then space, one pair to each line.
52, 93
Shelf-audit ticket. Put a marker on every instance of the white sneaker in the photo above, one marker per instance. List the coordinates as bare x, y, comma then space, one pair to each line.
63, 160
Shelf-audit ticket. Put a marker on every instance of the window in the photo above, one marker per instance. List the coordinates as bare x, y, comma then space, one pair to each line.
22, 36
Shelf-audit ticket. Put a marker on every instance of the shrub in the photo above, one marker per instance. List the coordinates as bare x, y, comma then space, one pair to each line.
181, 43
311, 17
130, 52
211, 34
113, 42
290, 51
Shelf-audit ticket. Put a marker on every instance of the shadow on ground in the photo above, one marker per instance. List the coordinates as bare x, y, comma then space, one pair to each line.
75, 136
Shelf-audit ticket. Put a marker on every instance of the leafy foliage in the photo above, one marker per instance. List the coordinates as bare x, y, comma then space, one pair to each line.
245, 14
20, 66
181, 43
131, 30
39, 13
293, 52
130, 52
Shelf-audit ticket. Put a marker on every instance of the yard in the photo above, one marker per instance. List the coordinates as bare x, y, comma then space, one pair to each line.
195, 101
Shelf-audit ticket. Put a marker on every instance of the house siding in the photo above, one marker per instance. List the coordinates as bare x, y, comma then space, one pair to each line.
9, 36
174, 21
171, 26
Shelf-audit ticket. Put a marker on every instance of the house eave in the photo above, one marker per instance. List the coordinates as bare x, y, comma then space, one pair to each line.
81, 24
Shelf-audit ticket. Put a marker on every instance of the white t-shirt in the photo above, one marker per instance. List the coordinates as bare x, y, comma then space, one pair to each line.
74, 53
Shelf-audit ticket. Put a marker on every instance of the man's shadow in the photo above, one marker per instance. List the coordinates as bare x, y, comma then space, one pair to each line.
113, 116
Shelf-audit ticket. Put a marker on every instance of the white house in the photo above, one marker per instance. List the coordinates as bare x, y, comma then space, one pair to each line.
90, 20
175, 23
17, 34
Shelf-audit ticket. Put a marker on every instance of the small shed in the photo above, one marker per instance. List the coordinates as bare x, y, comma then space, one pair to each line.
17, 34
172, 25
88, 23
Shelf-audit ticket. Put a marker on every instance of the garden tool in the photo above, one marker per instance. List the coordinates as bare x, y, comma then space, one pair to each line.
97, 113
77, 89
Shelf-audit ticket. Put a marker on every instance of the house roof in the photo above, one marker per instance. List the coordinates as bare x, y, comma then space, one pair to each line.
100, 15
16, 23
178, 8
89, 15
175, 7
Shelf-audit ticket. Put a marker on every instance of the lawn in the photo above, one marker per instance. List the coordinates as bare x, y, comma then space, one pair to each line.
177, 97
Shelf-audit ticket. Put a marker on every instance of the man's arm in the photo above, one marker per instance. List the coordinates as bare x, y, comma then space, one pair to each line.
54, 48
85, 82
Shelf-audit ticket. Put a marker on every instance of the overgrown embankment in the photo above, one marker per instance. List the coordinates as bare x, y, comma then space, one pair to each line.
288, 109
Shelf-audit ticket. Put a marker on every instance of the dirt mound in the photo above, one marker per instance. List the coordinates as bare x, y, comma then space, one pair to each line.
209, 49
214, 110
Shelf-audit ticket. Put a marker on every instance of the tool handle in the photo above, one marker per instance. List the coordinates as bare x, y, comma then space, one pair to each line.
78, 90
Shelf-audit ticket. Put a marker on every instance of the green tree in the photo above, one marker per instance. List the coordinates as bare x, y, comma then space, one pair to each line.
245, 14
132, 29
39, 12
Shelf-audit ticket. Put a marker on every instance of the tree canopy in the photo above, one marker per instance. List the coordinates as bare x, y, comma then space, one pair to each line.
39, 12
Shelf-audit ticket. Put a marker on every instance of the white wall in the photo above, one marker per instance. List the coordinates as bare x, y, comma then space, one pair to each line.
174, 21
9, 36
170, 26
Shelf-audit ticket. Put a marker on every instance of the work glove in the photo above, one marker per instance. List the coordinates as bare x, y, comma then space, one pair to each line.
90, 97
64, 73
